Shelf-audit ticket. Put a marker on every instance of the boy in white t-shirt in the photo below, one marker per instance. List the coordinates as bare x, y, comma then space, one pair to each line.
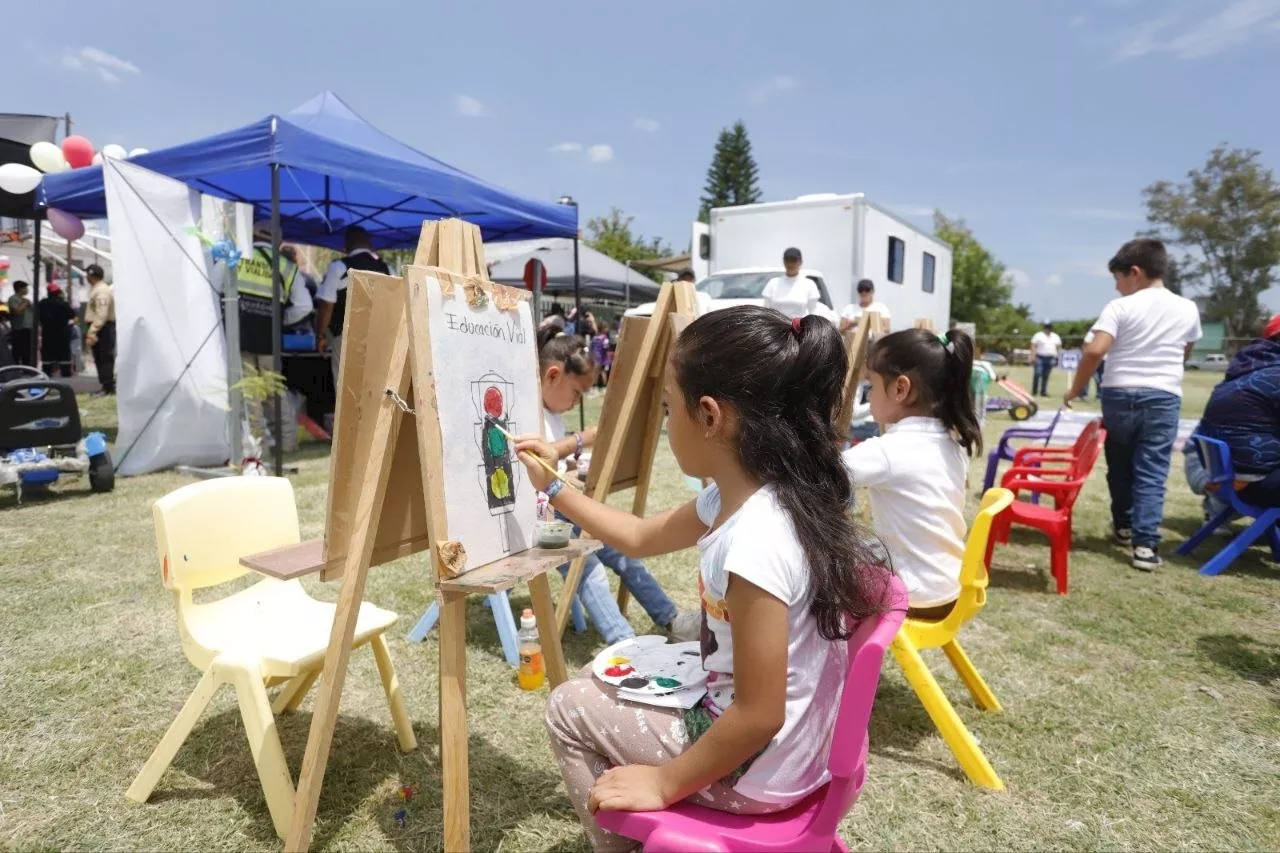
866, 302
1146, 336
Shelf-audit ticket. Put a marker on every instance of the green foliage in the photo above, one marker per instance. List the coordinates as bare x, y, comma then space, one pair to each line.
981, 289
1229, 214
258, 386
612, 235
733, 177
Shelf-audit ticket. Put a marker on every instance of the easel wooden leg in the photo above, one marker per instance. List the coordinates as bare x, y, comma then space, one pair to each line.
391, 686
453, 722
568, 592
386, 421
545, 612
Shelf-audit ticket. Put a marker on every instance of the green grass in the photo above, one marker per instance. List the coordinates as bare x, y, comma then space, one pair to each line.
1141, 711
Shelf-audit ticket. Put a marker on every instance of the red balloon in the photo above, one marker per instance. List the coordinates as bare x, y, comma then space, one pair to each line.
78, 151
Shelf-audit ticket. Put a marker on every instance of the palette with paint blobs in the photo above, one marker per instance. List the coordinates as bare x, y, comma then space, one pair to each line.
650, 666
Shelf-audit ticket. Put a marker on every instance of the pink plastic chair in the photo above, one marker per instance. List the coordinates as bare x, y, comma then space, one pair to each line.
810, 824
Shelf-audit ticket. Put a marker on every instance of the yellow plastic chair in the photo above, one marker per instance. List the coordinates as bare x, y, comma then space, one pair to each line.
270, 633
918, 634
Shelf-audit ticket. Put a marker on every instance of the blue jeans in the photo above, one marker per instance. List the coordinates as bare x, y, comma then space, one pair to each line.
644, 587
1198, 477
1142, 424
602, 608
1040, 378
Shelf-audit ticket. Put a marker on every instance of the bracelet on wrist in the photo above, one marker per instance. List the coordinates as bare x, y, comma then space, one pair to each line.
554, 489
577, 454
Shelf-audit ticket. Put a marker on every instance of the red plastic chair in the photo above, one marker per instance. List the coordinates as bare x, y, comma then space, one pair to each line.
1062, 482
810, 824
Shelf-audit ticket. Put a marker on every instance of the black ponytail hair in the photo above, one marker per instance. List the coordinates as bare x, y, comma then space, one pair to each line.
940, 368
784, 380
555, 347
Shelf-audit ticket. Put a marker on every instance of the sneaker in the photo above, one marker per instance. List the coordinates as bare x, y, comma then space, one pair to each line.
686, 627
1124, 535
1146, 559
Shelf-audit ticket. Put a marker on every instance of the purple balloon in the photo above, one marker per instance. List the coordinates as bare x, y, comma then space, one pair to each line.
66, 225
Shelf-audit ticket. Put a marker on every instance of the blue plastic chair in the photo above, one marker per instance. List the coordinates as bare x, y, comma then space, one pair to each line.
1005, 451
1216, 457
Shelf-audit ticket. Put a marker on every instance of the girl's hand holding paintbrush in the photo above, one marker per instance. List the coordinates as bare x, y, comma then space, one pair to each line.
539, 458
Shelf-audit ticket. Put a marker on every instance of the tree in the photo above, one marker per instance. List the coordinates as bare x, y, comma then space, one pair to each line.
1229, 214
733, 177
981, 290
612, 235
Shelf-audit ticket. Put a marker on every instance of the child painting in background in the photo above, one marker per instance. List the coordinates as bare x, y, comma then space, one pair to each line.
915, 472
784, 574
567, 371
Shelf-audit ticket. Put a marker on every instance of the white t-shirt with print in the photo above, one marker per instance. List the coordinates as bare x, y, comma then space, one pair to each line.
758, 544
914, 475
1151, 329
1046, 344
794, 297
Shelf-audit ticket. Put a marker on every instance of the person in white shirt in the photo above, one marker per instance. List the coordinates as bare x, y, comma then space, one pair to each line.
1146, 336
785, 575
915, 472
793, 294
1046, 346
867, 302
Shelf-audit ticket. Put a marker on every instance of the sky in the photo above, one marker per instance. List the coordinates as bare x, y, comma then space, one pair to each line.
1038, 121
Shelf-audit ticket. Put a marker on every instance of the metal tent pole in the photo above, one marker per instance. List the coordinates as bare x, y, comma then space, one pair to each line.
578, 324
38, 268
277, 331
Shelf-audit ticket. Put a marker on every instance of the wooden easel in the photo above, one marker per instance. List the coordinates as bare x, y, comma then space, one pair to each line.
857, 341
386, 500
631, 417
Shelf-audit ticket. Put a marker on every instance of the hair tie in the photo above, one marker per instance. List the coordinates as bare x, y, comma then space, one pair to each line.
947, 344
795, 326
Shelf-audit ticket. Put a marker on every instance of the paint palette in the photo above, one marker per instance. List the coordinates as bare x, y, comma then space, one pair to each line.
650, 666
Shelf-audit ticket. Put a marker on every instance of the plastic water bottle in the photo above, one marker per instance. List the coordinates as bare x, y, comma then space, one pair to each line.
532, 672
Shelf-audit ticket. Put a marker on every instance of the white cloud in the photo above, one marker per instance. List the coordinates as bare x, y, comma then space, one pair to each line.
647, 125
1053, 280
107, 66
773, 86
1232, 26
566, 148
600, 153
1018, 278
107, 60
469, 107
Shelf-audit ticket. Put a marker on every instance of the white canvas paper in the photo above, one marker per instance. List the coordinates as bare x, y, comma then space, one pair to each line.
171, 367
484, 363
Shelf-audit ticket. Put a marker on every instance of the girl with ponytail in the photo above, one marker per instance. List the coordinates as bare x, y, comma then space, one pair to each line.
915, 472
784, 574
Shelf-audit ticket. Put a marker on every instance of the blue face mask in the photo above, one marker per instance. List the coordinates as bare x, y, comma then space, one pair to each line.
693, 483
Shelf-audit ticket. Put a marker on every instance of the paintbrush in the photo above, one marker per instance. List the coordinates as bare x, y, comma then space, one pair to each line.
550, 469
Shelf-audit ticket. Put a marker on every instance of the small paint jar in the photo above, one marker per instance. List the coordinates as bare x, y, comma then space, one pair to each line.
552, 534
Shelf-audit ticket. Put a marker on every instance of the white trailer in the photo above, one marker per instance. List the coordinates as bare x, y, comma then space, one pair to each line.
846, 237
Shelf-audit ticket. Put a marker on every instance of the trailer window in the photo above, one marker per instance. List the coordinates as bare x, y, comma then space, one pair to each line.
897, 259
926, 283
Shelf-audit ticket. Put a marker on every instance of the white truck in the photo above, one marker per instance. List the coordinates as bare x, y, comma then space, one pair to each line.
845, 237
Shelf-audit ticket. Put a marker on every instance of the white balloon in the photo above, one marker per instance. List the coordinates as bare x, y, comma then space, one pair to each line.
114, 151
48, 157
97, 159
18, 178
138, 152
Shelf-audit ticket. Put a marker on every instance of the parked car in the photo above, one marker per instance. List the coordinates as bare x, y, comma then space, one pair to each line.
738, 287
1020, 356
994, 358
1212, 361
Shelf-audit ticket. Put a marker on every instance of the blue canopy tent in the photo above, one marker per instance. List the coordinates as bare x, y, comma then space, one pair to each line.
316, 171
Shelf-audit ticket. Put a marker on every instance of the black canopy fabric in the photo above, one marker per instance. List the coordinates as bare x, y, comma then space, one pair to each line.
17, 134
601, 276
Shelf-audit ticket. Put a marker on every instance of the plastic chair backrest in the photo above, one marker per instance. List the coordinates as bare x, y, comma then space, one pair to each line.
848, 758
1052, 427
202, 530
973, 568
1216, 456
